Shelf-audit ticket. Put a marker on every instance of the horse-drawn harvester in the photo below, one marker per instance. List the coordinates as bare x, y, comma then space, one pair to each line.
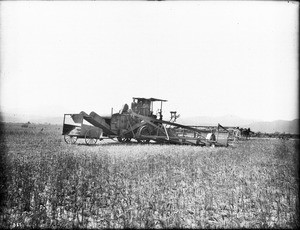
139, 123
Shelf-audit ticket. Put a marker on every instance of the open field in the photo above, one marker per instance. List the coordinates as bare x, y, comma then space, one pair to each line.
51, 184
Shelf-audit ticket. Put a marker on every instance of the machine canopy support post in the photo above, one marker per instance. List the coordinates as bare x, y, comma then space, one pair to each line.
151, 106
166, 131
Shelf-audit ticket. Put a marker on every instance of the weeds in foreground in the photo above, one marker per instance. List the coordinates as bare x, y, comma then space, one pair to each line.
51, 184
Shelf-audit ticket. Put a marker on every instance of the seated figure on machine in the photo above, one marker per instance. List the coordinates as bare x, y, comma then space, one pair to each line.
124, 109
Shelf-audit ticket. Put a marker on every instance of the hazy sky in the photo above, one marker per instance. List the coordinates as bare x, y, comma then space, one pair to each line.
205, 58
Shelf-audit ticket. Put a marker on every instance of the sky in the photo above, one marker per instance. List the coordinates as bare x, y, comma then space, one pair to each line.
205, 58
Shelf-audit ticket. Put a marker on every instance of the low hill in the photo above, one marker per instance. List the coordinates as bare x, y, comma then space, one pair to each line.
255, 125
276, 126
228, 120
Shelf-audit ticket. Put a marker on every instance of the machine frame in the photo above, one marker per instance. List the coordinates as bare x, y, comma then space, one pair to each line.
140, 123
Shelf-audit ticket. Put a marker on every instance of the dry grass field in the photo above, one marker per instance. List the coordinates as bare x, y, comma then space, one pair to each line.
49, 184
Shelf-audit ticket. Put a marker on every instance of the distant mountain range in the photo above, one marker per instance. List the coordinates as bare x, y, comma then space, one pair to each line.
228, 120
281, 126
255, 125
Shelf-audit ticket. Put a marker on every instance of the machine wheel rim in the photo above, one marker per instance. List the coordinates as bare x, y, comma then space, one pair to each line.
70, 139
88, 140
144, 131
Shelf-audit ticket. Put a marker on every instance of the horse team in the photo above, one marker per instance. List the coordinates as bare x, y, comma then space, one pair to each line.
242, 133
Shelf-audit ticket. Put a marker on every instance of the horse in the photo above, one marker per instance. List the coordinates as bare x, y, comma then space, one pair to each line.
246, 133
238, 133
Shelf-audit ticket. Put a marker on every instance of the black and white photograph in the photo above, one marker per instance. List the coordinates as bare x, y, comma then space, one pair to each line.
149, 114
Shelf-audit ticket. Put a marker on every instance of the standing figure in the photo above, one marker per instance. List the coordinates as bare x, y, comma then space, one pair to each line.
237, 134
211, 137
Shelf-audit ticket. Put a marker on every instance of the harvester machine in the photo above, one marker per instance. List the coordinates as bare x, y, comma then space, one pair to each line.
142, 124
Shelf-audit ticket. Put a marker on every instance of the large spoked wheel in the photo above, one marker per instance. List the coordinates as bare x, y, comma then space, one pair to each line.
124, 139
144, 131
70, 139
89, 140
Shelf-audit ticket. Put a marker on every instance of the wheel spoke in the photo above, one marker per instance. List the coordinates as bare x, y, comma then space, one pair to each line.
144, 131
73, 139
67, 139
70, 139
89, 140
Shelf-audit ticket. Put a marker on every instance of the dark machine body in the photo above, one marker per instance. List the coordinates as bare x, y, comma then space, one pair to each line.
139, 122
